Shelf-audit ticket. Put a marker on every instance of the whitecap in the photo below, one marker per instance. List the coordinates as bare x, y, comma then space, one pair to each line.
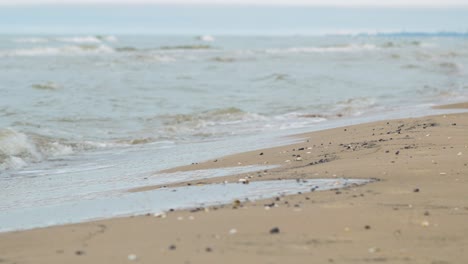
85, 39
206, 38
324, 49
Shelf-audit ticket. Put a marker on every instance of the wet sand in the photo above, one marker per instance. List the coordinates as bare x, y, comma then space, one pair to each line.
416, 212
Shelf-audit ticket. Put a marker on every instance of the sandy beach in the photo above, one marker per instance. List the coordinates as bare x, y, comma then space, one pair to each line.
415, 212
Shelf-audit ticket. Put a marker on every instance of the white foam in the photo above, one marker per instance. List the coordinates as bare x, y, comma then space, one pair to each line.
83, 40
206, 38
330, 49
18, 149
56, 51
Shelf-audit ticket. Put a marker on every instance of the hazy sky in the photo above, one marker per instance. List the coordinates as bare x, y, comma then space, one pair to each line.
261, 2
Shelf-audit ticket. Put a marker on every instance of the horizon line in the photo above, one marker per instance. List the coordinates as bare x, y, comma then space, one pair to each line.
213, 4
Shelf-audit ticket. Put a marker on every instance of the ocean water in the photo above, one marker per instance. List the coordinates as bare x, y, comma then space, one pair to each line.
94, 100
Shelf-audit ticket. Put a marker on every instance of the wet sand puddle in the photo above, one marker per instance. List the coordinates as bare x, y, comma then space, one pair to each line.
124, 203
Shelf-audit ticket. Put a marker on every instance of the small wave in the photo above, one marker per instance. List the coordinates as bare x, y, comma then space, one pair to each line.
451, 67
108, 38
187, 47
19, 149
354, 106
31, 40
46, 86
126, 49
274, 77
55, 51
324, 49
223, 59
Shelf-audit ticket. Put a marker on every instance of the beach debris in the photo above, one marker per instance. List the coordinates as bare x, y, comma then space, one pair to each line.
172, 247
232, 231
236, 203
244, 181
160, 215
274, 230
79, 252
425, 223
132, 257
443, 173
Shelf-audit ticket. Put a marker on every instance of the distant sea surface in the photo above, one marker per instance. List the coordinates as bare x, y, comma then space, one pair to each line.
86, 106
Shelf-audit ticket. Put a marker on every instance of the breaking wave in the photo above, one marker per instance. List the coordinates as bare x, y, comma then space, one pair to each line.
19, 149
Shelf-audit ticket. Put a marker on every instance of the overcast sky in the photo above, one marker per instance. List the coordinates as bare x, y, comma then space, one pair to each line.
258, 2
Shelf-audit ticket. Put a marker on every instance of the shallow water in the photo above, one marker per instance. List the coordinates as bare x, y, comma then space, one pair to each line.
88, 109
157, 201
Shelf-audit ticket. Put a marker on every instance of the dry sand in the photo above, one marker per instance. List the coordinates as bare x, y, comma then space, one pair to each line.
416, 213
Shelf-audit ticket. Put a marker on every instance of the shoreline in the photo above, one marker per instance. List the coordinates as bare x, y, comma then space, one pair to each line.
415, 214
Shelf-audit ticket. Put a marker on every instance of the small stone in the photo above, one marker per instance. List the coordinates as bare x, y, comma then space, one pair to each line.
459, 154
416, 190
425, 223
132, 257
373, 250
367, 227
208, 249
172, 247
232, 231
261, 153
79, 252
274, 230
443, 173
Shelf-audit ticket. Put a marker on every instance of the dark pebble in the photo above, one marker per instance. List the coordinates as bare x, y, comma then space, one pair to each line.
416, 190
398, 152
454, 124
79, 253
172, 247
367, 227
274, 230
261, 153
208, 249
